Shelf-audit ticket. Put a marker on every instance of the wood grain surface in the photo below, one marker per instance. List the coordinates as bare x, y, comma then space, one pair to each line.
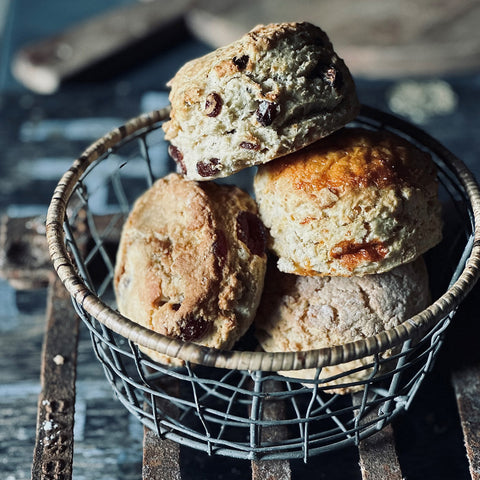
376, 38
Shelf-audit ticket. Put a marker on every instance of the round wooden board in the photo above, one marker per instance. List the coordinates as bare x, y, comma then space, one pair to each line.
376, 38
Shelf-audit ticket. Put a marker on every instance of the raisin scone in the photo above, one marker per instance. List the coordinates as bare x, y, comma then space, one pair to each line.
357, 202
191, 262
299, 313
277, 89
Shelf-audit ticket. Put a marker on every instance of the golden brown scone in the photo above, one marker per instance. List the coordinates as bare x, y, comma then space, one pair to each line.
191, 262
300, 313
355, 203
278, 88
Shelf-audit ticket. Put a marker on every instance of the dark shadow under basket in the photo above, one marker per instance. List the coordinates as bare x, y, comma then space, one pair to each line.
233, 403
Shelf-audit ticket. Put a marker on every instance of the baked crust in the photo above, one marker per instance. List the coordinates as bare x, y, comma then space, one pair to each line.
357, 202
300, 313
277, 89
191, 262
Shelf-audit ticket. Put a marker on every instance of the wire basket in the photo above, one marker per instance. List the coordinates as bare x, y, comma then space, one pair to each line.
234, 403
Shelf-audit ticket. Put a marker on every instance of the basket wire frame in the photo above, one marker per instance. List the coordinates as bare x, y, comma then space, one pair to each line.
221, 409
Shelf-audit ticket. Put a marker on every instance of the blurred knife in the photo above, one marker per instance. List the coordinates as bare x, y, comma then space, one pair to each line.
43, 65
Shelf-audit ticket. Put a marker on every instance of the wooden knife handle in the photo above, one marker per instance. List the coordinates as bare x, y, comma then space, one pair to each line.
42, 66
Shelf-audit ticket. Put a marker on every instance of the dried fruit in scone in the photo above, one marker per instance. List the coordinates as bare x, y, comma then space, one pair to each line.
277, 89
299, 313
191, 262
354, 203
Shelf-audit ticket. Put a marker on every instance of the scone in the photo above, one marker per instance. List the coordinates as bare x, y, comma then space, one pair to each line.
191, 262
300, 313
357, 202
277, 89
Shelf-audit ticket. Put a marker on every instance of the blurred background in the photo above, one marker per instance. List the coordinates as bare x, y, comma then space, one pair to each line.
72, 71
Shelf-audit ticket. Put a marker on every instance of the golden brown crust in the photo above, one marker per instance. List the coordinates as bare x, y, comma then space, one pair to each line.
352, 159
281, 84
354, 203
185, 268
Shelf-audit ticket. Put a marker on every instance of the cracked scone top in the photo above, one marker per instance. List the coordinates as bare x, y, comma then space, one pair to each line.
191, 263
355, 203
299, 313
277, 89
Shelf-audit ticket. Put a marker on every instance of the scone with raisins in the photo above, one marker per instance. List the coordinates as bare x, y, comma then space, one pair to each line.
299, 313
357, 202
191, 262
277, 89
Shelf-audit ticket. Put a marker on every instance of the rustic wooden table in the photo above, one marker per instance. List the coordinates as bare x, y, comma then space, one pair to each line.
80, 428
43, 356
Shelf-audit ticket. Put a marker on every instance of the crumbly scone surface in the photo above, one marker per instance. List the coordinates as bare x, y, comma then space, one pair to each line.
191, 262
355, 203
275, 90
299, 313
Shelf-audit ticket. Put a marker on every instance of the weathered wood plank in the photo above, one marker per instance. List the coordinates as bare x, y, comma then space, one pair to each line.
24, 259
466, 384
161, 457
272, 469
53, 451
378, 456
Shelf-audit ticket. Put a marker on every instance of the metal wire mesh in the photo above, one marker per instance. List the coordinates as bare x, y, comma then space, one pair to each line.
229, 411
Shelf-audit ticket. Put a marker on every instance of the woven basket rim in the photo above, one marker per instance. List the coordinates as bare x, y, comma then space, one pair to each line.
411, 328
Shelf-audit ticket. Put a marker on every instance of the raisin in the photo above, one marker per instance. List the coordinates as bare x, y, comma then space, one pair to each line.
333, 77
266, 112
177, 155
193, 328
249, 146
213, 104
220, 247
330, 74
241, 62
251, 231
210, 168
